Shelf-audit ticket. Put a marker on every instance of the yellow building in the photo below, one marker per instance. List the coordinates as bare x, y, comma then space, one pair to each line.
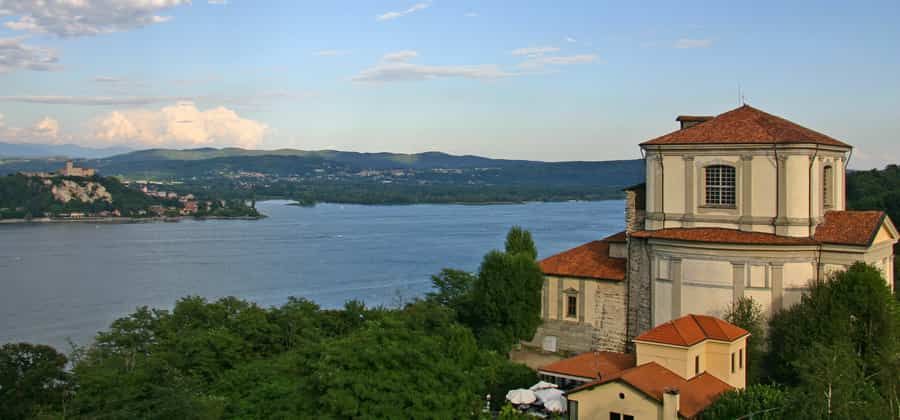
682, 366
741, 204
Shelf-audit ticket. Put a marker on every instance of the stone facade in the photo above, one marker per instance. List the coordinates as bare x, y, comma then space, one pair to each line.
599, 323
640, 304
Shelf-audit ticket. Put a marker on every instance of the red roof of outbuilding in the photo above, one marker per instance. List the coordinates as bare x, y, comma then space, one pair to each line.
652, 380
592, 365
745, 125
590, 260
692, 329
849, 227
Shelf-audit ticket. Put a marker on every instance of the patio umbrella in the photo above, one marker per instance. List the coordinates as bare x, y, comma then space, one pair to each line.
542, 385
556, 406
521, 396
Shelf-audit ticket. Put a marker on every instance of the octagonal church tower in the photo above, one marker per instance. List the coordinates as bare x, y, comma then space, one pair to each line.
740, 204
744, 204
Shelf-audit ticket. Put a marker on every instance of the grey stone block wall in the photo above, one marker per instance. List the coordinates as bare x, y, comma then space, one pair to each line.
638, 280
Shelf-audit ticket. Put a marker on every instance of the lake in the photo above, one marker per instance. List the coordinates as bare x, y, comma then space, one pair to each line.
70, 280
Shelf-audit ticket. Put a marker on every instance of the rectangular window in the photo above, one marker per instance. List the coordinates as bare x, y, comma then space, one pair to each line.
615, 416
572, 306
696, 365
732, 362
827, 187
741, 358
720, 186
627, 417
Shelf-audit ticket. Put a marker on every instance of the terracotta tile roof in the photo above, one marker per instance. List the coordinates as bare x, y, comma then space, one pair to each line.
652, 379
590, 260
616, 237
849, 227
591, 365
721, 235
692, 329
745, 125
700, 392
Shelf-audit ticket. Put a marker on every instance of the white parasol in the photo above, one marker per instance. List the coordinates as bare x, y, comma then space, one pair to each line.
521, 396
542, 385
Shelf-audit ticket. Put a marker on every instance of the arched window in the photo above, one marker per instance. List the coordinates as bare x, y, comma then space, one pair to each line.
828, 187
720, 190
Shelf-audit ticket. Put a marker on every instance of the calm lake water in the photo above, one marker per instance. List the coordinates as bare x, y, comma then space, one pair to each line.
68, 281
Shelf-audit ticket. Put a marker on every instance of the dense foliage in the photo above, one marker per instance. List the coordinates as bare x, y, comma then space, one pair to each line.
837, 353
501, 304
765, 402
877, 190
33, 380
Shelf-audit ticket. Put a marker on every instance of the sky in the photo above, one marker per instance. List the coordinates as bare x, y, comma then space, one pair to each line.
543, 80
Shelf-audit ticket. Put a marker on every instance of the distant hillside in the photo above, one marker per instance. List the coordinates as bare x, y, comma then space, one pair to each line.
59, 150
371, 178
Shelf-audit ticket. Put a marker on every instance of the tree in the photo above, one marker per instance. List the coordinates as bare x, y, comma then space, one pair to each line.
852, 309
453, 289
32, 380
519, 240
506, 300
832, 385
765, 402
747, 314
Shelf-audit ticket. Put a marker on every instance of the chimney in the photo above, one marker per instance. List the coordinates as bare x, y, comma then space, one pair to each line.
692, 120
671, 404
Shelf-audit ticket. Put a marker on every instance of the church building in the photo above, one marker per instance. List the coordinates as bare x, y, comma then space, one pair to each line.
741, 204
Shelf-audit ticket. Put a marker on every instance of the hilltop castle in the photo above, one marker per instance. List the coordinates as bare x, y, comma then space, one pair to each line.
740, 204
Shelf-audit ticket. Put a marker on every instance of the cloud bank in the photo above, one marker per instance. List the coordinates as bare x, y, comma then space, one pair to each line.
15, 55
182, 125
394, 67
72, 18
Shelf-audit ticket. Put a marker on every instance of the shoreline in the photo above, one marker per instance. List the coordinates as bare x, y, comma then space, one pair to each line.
125, 220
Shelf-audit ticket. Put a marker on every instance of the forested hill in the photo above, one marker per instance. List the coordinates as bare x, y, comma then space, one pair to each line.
370, 178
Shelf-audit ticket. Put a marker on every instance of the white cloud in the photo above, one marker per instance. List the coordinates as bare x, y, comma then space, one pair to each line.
394, 15
107, 79
400, 56
70, 18
693, 43
562, 60
15, 55
46, 130
180, 125
89, 100
404, 72
218, 2
534, 51
570, 39
331, 53
471, 14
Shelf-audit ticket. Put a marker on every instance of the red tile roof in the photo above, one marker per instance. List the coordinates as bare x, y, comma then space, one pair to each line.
592, 365
721, 235
846, 227
652, 379
849, 227
692, 329
590, 260
745, 125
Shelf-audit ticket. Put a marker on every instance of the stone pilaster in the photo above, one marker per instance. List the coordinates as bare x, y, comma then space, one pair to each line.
746, 192
675, 275
688, 190
739, 279
777, 287
581, 299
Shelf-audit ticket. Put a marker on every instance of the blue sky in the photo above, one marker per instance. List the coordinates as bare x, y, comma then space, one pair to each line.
536, 80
